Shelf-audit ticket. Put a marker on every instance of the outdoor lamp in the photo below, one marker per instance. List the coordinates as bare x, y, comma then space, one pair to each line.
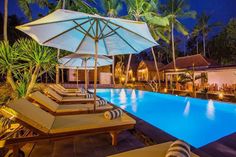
221, 95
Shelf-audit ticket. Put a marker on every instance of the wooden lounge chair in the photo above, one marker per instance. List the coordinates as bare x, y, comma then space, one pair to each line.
48, 127
64, 99
64, 93
54, 108
69, 90
159, 150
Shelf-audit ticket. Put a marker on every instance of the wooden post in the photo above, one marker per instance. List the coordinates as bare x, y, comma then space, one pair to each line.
85, 77
57, 74
77, 77
95, 70
113, 70
166, 77
114, 135
127, 70
62, 75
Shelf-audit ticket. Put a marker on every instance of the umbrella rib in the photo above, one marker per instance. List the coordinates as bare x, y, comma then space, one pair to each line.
130, 31
101, 33
103, 38
64, 32
84, 37
45, 23
84, 29
110, 33
123, 39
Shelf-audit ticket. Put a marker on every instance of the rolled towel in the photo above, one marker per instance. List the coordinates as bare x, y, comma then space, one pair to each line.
178, 149
101, 102
113, 114
89, 95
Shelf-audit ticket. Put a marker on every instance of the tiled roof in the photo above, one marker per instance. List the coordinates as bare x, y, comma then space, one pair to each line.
188, 61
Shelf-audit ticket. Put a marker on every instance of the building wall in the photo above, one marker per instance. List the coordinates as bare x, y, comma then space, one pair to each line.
220, 77
72, 74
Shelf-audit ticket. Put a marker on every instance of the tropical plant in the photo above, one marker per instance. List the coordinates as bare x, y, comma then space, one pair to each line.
203, 27
76, 5
8, 61
5, 20
112, 7
23, 78
190, 76
146, 10
175, 10
222, 46
37, 58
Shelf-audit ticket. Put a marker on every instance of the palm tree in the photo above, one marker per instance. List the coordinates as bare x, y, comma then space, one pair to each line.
177, 9
203, 28
36, 57
8, 61
5, 20
146, 10
112, 8
76, 5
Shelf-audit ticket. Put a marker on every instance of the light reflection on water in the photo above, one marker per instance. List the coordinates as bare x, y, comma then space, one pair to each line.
133, 101
122, 96
187, 109
210, 112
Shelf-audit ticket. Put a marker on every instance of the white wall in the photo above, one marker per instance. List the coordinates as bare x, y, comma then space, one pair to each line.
222, 77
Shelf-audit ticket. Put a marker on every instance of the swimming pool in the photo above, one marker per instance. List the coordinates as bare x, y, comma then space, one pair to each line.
195, 121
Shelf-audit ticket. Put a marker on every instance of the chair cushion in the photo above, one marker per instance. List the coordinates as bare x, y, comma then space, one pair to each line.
44, 100
32, 115
85, 122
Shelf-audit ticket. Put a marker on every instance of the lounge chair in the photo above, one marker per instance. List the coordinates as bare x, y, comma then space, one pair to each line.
159, 150
64, 99
69, 90
48, 127
64, 93
54, 108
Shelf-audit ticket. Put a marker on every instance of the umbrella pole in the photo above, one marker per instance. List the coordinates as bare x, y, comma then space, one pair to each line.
95, 73
77, 78
85, 77
57, 74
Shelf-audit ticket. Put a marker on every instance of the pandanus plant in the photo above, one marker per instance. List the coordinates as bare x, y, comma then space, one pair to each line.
8, 61
37, 58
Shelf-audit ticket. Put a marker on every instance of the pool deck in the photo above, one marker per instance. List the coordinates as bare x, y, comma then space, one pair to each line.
144, 134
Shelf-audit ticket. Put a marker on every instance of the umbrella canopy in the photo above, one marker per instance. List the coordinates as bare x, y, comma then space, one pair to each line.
83, 33
85, 62
75, 32
82, 61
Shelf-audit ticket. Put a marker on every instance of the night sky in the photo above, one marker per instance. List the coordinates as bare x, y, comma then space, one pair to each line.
220, 10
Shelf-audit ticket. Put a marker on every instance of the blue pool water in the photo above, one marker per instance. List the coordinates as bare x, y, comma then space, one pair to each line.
195, 121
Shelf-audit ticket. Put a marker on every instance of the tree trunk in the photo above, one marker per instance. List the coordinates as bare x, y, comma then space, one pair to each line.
113, 70
33, 79
197, 48
157, 69
10, 80
173, 43
204, 45
5, 20
127, 69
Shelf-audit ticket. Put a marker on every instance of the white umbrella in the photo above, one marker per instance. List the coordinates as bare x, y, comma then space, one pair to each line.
82, 61
84, 33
